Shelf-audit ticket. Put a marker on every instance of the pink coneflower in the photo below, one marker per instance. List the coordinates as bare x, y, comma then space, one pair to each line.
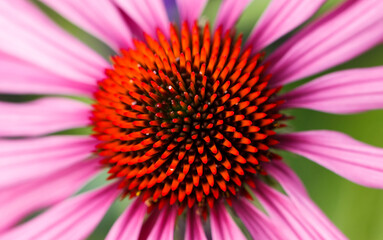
186, 117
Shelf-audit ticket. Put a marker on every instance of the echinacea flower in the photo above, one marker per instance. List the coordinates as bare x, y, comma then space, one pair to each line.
185, 117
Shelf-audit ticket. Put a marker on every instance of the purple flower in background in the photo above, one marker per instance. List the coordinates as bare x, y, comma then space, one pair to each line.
185, 117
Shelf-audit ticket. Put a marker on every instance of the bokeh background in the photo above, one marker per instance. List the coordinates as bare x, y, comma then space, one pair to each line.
356, 210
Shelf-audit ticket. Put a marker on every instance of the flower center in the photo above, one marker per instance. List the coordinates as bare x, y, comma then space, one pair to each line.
188, 121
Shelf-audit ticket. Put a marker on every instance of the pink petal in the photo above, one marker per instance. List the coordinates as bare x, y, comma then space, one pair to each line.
149, 224
194, 229
229, 13
351, 159
190, 10
280, 17
163, 229
284, 213
147, 14
337, 37
222, 225
27, 159
74, 218
100, 18
20, 77
159, 225
342, 92
298, 195
128, 225
35, 39
42, 116
257, 223
55, 188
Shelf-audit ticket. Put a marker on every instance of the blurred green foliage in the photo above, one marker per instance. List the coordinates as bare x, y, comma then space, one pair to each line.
356, 210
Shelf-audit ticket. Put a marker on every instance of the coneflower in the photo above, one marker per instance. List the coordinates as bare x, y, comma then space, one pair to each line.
186, 118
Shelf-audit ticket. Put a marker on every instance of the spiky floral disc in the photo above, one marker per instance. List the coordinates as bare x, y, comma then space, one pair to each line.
187, 122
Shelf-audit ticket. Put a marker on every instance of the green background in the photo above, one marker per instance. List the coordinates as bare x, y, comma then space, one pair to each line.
356, 210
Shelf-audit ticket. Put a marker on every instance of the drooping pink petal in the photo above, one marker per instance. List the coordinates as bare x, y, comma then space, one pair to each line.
100, 18
229, 13
194, 229
128, 225
35, 39
222, 225
190, 10
27, 159
147, 14
351, 159
20, 77
298, 195
54, 188
74, 218
42, 116
285, 214
149, 224
280, 17
349, 91
159, 225
257, 223
339, 36
164, 228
